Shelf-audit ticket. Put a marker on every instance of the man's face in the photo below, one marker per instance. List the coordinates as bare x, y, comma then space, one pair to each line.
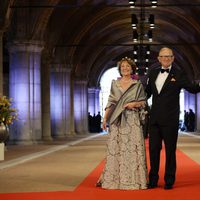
166, 57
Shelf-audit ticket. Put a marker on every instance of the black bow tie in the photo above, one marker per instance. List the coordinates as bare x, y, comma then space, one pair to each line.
164, 70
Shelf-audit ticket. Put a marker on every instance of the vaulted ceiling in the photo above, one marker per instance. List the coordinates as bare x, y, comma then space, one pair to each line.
92, 35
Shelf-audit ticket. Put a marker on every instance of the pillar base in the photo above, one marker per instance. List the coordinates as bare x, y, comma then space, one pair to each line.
47, 138
71, 134
2, 149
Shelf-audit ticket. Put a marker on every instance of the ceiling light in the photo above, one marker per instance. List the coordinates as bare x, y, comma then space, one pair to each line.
135, 36
132, 3
150, 35
154, 3
134, 21
151, 21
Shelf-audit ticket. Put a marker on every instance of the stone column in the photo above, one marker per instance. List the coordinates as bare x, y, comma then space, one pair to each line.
25, 89
68, 103
81, 106
1, 63
198, 113
57, 101
93, 100
189, 101
45, 95
72, 115
97, 101
61, 101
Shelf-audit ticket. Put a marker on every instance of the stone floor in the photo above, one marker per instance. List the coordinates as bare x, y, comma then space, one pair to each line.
17, 151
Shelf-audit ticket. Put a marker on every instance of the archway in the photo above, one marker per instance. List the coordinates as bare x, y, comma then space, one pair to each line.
105, 84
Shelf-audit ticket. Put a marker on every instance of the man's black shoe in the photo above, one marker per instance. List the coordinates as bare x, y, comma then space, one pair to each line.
151, 186
168, 186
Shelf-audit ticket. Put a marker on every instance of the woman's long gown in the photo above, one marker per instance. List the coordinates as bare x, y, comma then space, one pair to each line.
125, 166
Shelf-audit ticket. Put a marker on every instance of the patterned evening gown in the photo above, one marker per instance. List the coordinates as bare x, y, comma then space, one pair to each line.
125, 166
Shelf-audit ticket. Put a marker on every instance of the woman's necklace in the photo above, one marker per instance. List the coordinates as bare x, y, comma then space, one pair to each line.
126, 81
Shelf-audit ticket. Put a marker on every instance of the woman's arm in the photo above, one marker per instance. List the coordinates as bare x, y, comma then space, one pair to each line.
105, 118
135, 104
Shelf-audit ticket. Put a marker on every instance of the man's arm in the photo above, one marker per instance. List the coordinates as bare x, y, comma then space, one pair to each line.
190, 86
148, 88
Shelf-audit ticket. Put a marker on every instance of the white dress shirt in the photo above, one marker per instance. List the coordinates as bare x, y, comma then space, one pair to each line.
161, 78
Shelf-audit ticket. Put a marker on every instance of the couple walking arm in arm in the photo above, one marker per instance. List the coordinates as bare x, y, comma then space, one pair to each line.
125, 166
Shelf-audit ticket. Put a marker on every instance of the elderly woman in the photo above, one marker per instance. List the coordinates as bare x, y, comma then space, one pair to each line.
125, 166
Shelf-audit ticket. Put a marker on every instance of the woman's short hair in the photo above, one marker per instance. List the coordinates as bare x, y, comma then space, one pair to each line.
130, 62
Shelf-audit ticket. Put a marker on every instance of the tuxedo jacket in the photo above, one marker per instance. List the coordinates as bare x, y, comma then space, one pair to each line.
165, 105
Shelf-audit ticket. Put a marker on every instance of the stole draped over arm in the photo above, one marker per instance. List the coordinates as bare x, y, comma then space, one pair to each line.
117, 100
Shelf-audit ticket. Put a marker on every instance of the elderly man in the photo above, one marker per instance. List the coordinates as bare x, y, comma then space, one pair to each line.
164, 85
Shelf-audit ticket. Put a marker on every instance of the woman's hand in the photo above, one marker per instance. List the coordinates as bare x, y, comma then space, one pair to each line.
104, 124
130, 105
136, 104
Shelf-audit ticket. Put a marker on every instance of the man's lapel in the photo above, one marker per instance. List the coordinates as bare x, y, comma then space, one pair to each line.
155, 75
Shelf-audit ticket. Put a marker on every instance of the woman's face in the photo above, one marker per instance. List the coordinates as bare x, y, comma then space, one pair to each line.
125, 68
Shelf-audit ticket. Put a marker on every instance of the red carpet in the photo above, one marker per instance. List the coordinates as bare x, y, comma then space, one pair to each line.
187, 187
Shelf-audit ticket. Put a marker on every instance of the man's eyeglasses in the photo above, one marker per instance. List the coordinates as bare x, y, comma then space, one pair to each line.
167, 56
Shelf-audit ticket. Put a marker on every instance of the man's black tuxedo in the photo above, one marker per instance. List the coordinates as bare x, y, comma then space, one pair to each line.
164, 119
